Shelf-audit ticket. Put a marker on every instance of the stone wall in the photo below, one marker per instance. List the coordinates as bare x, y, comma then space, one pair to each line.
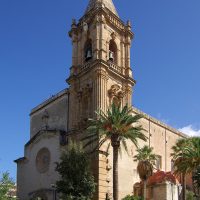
164, 191
51, 114
33, 178
162, 138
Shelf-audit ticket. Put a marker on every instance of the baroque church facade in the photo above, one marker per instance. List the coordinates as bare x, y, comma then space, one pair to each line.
100, 74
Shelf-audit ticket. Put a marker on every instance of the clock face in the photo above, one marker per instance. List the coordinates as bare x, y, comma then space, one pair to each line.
43, 160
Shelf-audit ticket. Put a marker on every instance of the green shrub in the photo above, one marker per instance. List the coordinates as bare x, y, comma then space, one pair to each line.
190, 195
129, 197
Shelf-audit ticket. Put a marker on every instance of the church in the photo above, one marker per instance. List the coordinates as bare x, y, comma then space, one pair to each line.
100, 74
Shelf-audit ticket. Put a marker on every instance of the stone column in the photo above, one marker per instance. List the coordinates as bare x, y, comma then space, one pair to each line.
100, 102
100, 89
79, 53
128, 62
102, 38
75, 52
96, 42
123, 57
74, 36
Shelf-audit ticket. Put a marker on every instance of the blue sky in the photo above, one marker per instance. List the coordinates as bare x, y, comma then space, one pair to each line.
35, 56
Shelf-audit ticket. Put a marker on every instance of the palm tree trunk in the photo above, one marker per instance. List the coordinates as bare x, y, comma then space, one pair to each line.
184, 186
115, 172
145, 189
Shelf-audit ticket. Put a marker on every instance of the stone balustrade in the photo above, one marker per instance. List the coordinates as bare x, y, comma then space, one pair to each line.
116, 22
114, 67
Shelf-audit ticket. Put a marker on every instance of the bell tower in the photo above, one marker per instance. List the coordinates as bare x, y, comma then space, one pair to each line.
101, 71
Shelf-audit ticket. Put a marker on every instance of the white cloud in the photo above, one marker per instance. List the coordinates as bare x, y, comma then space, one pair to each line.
190, 130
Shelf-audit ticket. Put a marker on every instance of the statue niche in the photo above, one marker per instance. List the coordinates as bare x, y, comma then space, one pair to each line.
116, 95
85, 100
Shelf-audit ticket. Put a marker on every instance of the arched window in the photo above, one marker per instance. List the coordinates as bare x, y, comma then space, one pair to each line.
113, 51
88, 50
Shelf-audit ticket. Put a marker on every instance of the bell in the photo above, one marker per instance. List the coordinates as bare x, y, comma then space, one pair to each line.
89, 54
111, 56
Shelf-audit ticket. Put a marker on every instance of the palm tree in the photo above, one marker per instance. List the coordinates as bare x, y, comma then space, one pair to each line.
147, 160
187, 158
196, 180
178, 157
192, 157
115, 126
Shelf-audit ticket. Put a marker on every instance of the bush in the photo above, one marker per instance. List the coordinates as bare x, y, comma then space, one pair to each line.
190, 195
129, 197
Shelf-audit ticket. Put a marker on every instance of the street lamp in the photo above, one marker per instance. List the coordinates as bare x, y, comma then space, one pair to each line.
53, 186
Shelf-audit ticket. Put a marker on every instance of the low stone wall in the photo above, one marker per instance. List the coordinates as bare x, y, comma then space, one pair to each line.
164, 191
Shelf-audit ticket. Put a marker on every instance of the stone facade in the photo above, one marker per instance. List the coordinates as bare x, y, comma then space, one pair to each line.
100, 74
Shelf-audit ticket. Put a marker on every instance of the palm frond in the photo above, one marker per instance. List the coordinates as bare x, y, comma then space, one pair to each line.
125, 145
116, 121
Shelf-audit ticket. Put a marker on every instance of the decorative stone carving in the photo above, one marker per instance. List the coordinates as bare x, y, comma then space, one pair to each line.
102, 73
73, 21
101, 4
113, 35
116, 94
84, 96
113, 90
109, 195
45, 119
108, 179
109, 167
85, 27
85, 91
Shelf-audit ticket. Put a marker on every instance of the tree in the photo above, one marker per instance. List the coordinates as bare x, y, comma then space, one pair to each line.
115, 126
192, 157
146, 162
186, 156
196, 179
6, 184
77, 181
178, 157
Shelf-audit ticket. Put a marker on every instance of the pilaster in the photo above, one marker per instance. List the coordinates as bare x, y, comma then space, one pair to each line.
100, 89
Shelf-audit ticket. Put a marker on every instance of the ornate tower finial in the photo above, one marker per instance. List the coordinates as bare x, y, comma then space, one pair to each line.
102, 3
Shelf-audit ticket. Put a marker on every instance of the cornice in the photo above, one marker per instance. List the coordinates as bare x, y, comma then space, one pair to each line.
22, 159
109, 17
101, 64
43, 132
49, 101
154, 120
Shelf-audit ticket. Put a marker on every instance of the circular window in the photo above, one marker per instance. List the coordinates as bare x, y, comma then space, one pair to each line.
43, 160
